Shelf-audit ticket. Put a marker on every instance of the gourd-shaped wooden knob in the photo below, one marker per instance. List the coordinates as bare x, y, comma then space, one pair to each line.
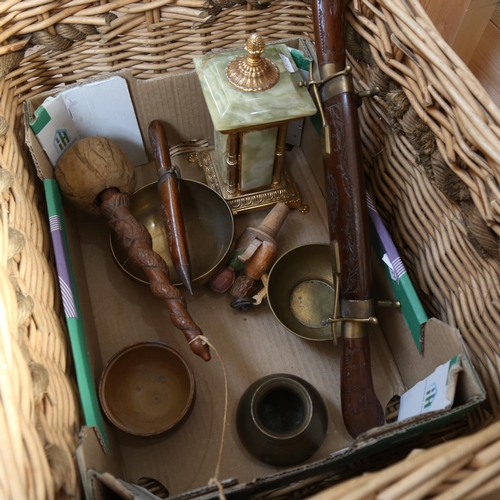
89, 167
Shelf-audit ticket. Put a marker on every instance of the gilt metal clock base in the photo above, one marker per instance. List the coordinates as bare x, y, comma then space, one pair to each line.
287, 192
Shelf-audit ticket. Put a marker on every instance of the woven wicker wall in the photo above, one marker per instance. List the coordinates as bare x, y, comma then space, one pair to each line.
430, 147
39, 418
432, 151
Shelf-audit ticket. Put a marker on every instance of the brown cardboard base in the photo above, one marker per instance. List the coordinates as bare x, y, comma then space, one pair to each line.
252, 344
118, 311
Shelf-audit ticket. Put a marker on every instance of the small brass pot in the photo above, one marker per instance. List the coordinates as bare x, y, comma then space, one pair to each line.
301, 293
147, 388
209, 226
281, 419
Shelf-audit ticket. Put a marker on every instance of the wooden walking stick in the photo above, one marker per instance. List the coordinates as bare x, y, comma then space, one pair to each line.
97, 177
171, 204
347, 215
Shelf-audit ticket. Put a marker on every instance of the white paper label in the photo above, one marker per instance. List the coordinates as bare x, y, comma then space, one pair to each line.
101, 108
436, 392
59, 133
287, 63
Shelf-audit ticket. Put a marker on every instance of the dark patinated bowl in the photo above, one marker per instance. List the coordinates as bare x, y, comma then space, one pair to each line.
281, 419
209, 226
147, 388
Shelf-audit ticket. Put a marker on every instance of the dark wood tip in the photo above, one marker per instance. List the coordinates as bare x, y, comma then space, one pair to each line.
201, 349
361, 408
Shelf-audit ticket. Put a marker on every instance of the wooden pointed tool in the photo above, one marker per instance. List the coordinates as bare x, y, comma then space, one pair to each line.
171, 204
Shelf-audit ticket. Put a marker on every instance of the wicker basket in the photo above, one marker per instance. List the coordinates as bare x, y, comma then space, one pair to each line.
432, 151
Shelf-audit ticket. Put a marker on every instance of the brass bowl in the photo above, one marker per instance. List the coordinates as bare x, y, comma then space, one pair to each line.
209, 226
146, 388
301, 293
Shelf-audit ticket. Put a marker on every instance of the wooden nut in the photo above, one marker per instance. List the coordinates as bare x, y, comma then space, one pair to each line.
222, 281
243, 287
89, 167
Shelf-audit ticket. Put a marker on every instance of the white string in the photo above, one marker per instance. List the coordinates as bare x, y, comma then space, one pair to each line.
215, 480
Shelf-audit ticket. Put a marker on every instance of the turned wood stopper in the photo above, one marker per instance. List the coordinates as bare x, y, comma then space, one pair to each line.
272, 223
89, 167
262, 247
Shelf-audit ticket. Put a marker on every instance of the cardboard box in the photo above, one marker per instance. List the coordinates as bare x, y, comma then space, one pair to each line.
115, 311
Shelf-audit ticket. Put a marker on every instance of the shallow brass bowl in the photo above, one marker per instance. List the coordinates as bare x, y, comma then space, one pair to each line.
209, 230
147, 388
300, 291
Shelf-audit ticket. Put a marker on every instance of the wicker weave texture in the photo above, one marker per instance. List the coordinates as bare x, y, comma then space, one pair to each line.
431, 174
432, 151
39, 419
466, 468
147, 39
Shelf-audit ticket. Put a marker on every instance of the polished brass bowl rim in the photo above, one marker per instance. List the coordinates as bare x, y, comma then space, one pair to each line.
196, 279
270, 300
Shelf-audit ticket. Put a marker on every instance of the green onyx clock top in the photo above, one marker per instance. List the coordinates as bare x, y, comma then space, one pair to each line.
234, 109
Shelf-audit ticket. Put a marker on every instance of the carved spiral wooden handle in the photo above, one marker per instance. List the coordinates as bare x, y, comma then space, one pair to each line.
136, 239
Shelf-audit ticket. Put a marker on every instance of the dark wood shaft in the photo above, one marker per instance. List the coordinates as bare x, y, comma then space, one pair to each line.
361, 409
171, 204
348, 224
136, 239
347, 217
346, 198
329, 31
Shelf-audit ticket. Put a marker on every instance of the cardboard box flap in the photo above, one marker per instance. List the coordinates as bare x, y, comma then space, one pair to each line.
469, 393
102, 106
442, 342
105, 486
79, 332
91, 456
401, 284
